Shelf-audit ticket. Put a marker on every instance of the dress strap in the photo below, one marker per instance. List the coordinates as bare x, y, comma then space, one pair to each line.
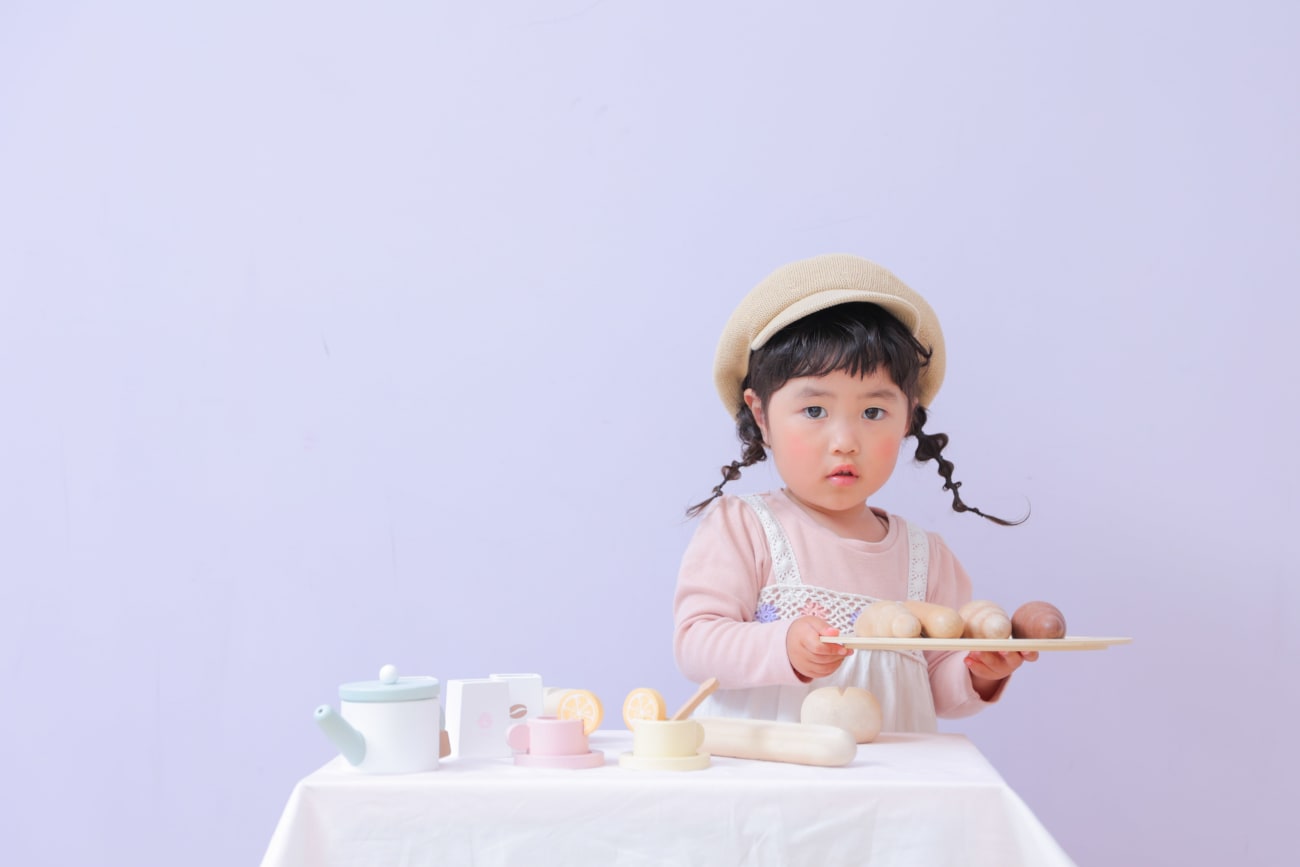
784, 567
918, 562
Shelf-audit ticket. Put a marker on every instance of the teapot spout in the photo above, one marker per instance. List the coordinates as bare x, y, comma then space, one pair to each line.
350, 742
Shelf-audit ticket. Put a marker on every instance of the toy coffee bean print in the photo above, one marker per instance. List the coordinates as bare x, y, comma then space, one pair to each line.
526, 694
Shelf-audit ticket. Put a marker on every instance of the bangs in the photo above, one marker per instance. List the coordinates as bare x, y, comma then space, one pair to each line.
858, 339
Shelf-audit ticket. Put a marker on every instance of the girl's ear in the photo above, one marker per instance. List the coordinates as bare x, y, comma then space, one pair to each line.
756, 408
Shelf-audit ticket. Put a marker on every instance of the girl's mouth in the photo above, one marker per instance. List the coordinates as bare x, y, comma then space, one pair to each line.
843, 475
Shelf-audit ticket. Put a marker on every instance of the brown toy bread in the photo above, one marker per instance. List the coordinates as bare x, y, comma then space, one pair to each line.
1038, 620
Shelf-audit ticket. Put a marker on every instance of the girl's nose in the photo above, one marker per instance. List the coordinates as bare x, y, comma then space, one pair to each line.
844, 441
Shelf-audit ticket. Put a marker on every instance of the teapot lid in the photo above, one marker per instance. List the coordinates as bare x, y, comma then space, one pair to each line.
390, 687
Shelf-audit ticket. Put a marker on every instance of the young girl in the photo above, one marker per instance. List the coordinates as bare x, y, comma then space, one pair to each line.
828, 364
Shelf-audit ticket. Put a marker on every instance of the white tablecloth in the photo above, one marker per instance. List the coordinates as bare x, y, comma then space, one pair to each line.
906, 799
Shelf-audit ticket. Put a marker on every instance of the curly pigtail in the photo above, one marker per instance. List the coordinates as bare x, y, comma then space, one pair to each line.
752, 451
929, 447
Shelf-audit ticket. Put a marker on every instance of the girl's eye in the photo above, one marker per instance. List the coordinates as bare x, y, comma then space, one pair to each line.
874, 413
814, 412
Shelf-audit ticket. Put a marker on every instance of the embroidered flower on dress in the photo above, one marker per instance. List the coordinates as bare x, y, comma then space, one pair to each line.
766, 613
812, 608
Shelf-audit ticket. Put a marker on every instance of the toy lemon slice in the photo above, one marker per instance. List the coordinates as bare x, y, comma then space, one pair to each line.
584, 705
643, 703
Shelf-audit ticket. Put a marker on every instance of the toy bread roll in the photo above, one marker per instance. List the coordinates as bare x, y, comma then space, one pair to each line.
769, 741
984, 619
937, 621
886, 619
851, 708
1038, 620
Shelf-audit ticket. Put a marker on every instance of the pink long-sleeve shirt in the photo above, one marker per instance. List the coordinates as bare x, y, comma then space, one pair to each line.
728, 562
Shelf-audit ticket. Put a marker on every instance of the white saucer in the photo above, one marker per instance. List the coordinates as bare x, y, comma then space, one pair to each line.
697, 762
593, 759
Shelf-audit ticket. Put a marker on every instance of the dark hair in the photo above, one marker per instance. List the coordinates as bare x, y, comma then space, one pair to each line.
858, 339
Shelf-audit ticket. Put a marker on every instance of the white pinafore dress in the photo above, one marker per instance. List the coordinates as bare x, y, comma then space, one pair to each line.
899, 680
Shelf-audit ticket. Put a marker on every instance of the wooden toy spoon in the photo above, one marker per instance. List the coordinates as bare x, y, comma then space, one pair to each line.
706, 689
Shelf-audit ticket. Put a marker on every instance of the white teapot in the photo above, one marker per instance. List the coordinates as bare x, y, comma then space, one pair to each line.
388, 726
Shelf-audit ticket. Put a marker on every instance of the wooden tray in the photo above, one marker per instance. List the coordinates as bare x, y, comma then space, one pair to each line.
1069, 642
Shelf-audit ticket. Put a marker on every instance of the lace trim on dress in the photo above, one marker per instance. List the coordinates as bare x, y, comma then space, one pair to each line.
787, 597
784, 568
786, 602
918, 562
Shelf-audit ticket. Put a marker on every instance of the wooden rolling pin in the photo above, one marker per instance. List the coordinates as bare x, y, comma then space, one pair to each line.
800, 743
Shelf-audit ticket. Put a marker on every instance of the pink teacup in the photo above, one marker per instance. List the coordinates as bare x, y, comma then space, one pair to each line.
548, 736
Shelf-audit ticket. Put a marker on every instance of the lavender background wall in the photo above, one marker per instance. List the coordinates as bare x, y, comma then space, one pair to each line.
336, 334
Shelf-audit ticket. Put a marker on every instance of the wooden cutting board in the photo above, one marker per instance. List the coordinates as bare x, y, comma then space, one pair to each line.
1069, 642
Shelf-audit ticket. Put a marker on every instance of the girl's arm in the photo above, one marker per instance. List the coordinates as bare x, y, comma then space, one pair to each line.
961, 687
714, 608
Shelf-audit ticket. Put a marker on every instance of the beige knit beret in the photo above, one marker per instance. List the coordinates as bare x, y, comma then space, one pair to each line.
793, 291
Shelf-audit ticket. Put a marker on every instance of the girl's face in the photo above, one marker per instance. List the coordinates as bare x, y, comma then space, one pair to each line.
834, 438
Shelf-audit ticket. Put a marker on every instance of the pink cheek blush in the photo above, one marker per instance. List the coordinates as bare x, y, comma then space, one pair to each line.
886, 454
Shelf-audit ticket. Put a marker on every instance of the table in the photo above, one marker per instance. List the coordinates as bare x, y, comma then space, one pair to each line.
906, 799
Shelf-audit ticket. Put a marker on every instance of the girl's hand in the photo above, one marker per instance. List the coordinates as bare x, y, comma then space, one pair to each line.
809, 656
988, 668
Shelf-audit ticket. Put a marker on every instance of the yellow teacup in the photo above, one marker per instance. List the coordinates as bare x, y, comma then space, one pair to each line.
666, 738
